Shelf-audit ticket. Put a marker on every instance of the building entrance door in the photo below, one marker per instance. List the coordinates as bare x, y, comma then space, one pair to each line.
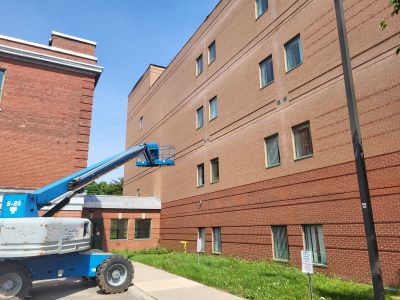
98, 234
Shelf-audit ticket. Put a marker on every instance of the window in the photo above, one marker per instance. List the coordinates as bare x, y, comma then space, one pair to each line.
2, 74
200, 175
314, 242
199, 65
261, 7
141, 123
211, 53
119, 229
293, 53
266, 71
216, 239
281, 245
272, 151
199, 118
213, 108
142, 229
302, 140
202, 238
214, 170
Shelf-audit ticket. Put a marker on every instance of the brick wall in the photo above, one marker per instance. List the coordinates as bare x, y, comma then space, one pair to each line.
45, 117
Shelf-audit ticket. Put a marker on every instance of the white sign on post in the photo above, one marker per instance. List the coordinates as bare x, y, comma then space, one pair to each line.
306, 262
199, 246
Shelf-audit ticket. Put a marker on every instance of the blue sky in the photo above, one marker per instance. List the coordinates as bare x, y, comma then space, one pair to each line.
130, 35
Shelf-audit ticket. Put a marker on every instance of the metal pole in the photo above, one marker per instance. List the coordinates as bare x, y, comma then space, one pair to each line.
309, 285
359, 156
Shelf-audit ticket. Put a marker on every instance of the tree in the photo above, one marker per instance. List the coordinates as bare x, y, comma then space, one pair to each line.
396, 8
104, 188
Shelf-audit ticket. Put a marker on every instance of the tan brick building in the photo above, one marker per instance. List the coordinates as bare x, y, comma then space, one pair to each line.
46, 96
255, 105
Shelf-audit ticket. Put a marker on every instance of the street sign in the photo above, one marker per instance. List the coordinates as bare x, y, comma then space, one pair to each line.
306, 262
199, 246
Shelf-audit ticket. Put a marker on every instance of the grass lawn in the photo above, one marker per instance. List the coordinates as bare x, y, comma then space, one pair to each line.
251, 280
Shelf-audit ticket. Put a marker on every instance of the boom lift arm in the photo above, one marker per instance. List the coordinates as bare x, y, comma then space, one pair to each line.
59, 193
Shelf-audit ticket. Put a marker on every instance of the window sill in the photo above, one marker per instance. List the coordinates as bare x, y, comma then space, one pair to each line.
210, 63
213, 182
263, 13
212, 119
146, 239
273, 166
304, 157
200, 186
118, 240
320, 265
216, 253
267, 85
281, 260
197, 128
295, 67
197, 75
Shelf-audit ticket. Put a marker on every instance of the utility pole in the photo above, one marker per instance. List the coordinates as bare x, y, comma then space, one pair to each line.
359, 156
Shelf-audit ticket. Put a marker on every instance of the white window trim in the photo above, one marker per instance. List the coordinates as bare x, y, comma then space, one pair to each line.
260, 74
266, 151
209, 109
215, 57
197, 65
301, 125
197, 172
197, 117
198, 237
256, 11
300, 50
273, 244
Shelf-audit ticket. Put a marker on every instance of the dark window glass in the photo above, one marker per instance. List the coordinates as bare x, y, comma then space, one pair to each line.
266, 71
200, 175
261, 7
214, 170
314, 239
211, 53
302, 140
142, 228
216, 239
293, 53
272, 147
119, 229
202, 237
281, 245
199, 65
200, 119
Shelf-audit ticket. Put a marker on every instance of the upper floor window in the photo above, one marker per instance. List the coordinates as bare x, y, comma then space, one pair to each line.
214, 164
272, 150
314, 242
2, 73
293, 53
213, 108
141, 123
216, 231
119, 229
211, 53
261, 7
302, 140
199, 117
199, 65
200, 175
280, 242
266, 71
142, 228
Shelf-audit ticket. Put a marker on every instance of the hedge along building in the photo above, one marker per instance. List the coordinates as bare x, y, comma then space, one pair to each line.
46, 97
256, 107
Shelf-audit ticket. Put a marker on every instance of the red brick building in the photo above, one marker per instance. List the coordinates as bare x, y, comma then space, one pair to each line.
46, 96
255, 105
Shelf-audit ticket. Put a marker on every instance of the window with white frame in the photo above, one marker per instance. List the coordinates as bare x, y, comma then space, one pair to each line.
199, 65
216, 239
200, 175
302, 140
141, 123
142, 229
119, 229
202, 237
214, 169
213, 113
211, 53
261, 7
314, 242
266, 71
199, 117
293, 53
281, 245
272, 150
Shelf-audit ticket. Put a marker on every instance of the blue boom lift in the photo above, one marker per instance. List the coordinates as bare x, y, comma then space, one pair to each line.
36, 248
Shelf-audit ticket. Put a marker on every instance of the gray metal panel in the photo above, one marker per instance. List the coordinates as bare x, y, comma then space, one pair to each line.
121, 202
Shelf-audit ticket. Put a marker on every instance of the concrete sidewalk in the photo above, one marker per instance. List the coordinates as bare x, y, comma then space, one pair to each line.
151, 283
